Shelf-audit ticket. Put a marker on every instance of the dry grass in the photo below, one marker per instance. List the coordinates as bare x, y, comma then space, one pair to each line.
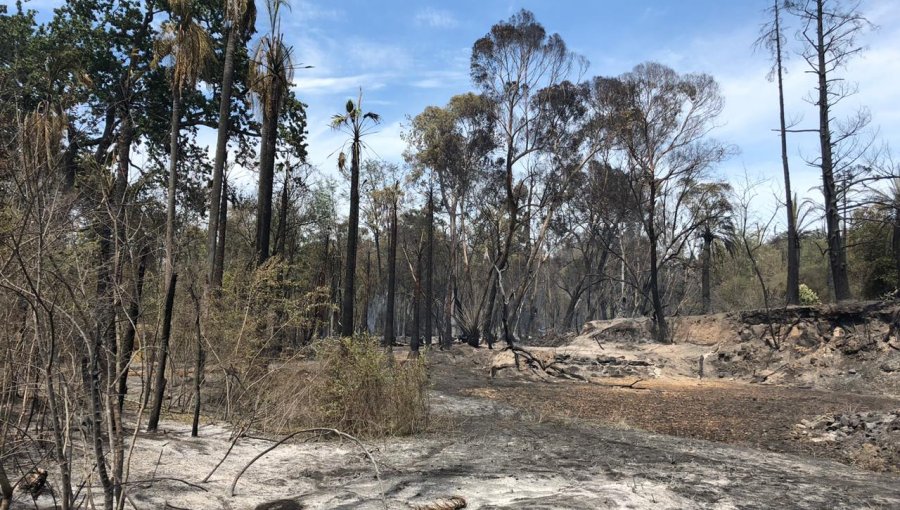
352, 385
868, 457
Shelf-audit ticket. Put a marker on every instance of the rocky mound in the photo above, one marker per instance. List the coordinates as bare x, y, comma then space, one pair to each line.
868, 439
546, 364
848, 347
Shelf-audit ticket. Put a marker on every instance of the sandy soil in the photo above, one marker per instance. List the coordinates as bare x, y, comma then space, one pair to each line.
512, 443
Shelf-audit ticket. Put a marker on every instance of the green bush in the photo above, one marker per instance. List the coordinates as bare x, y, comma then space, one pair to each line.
808, 296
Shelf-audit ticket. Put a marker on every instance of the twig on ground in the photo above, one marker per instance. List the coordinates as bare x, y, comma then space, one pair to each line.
628, 386
233, 442
164, 478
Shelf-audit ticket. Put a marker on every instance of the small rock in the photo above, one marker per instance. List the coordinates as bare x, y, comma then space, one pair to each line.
890, 366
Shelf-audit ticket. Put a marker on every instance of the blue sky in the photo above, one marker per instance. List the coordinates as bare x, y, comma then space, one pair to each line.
407, 55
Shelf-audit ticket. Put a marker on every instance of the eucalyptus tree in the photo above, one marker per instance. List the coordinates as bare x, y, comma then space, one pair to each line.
271, 73
772, 39
356, 123
586, 225
240, 18
662, 121
574, 120
188, 48
830, 31
453, 145
509, 65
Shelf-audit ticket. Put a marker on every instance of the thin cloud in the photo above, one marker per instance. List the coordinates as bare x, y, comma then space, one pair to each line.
436, 18
338, 84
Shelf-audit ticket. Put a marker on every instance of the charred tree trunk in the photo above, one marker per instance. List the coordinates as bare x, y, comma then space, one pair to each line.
160, 382
266, 179
219, 272
487, 326
349, 294
171, 276
705, 270
792, 293
414, 341
659, 317
133, 314
837, 256
281, 233
217, 191
199, 362
429, 270
389, 332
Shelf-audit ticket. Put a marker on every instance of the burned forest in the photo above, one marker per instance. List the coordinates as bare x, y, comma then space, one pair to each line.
298, 254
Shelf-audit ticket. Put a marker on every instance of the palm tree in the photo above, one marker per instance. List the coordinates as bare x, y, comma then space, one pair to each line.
389, 333
356, 124
271, 72
713, 212
240, 16
189, 48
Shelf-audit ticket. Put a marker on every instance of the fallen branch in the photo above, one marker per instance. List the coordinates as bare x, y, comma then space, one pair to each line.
233, 442
153, 480
530, 359
628, 386
308, 431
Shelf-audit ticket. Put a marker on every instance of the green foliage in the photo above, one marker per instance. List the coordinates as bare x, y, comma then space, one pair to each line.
808, 297
873, 270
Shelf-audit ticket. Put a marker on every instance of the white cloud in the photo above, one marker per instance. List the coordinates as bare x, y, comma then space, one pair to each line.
337, 84
441, 79
436, 18
371, 55
308, 11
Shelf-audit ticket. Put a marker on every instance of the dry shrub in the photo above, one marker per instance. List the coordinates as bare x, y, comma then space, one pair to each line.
868, 457
352, 385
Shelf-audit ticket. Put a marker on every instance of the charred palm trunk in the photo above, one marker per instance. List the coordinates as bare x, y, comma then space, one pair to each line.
220, 242
266, 179
349, 294
389, 332
217, 191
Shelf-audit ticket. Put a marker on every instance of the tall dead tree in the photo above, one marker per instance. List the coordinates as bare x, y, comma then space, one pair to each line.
773, 40
830, 31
